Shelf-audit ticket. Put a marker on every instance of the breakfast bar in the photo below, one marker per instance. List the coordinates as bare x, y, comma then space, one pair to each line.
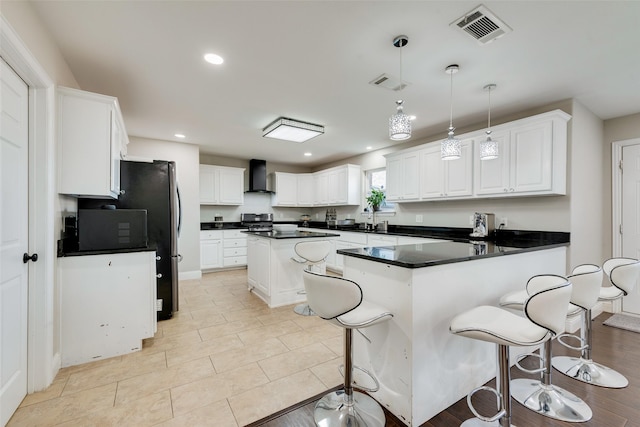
421, 367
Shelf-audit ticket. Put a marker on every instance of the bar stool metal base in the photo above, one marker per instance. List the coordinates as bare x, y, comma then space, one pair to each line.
303, 310
333, 411
589, 372
550, 401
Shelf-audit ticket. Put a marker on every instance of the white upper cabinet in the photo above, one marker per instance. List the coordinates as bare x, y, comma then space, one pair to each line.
305, 190
91, 141
336, 186
286, 189
403, 176
446, 178
532, 162
221, 185
533, 156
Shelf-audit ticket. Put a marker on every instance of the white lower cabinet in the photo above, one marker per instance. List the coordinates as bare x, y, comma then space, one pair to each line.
222, 249
235, 248
210, 249
107, 305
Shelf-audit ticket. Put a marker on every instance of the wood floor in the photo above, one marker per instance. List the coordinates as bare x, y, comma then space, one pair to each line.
613, 347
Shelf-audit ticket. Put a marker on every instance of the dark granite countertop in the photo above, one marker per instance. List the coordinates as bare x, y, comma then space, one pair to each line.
297, 234
107, 251
437, 253
221, 225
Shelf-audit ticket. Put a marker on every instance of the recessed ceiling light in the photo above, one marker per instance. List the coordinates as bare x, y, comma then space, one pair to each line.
412, 117
369, 147
179, 135
307, 154
213, 58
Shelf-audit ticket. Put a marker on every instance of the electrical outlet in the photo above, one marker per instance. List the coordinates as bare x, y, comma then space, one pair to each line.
471, 220
503, 222
418, 218
159, 305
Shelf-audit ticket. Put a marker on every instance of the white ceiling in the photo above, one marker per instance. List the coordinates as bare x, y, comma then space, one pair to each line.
312, 61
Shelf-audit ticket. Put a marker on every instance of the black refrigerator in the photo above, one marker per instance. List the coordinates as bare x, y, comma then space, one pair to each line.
152, 186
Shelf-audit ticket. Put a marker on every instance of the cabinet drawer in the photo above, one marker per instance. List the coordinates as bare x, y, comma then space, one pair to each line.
230, 252
210, 234
234, 234
235, 260
235, 243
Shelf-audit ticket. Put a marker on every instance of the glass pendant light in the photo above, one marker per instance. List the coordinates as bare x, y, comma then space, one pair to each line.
489, 147
450, 148
400, 123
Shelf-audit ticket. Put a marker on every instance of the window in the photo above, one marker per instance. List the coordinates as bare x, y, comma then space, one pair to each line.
377, 178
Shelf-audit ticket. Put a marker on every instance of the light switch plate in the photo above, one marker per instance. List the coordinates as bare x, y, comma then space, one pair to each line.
418, 218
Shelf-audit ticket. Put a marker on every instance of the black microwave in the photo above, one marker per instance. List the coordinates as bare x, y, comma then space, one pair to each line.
104, 229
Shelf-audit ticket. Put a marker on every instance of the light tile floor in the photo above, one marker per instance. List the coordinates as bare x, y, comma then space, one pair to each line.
224, 359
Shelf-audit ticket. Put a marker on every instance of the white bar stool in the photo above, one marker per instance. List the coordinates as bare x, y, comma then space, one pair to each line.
340, 301
623, 275
545, 312
312, 254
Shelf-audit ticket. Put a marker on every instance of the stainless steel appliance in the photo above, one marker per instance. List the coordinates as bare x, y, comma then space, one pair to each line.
483, 224
152, 186
257, 222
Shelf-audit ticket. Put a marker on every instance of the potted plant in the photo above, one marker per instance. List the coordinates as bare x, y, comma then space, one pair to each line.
376, 199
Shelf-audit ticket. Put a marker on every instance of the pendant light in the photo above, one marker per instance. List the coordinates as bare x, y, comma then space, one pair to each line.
450, 148
400, 123
489, 147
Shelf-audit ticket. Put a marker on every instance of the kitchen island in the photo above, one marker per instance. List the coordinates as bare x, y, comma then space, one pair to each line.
272, 273
422, 368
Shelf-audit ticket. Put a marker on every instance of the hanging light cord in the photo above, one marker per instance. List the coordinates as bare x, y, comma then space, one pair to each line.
451, 101
489, 119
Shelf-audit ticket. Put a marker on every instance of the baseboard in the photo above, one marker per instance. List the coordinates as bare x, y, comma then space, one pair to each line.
190, 275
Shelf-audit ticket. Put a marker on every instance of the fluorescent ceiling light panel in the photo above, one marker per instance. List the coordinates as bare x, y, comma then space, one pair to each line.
292, 130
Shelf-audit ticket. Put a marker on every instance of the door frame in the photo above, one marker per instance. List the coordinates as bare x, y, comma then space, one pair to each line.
42, 362
616, 205
616, 193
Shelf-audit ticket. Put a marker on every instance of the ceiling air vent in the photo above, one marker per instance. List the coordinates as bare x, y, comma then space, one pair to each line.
482, 25
387, 81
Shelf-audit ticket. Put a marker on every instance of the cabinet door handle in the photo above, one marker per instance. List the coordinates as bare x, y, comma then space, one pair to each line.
159, 275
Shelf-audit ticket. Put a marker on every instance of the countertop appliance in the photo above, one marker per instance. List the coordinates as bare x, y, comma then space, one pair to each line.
102, 229
257, 222
483, 224
152, 186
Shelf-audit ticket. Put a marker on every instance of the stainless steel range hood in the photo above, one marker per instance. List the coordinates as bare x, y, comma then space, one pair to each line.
258, 177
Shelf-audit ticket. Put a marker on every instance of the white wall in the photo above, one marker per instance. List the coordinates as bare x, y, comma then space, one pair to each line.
186, 158
586, 179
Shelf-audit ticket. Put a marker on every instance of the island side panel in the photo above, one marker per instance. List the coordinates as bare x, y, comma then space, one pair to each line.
388, 354
442, 368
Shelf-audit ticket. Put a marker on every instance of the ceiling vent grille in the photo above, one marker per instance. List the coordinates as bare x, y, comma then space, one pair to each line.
482, 25
388, 81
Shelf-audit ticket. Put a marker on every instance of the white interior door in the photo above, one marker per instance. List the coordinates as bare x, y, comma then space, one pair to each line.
14, 136
631, 217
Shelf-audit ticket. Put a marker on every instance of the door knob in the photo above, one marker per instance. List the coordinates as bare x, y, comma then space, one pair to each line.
26, 258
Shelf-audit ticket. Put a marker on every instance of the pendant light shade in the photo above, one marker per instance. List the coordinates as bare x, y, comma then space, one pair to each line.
489, 147
450, 148
400, 123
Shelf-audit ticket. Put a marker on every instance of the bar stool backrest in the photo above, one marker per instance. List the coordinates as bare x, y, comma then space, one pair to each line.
313, 251
587, 281
329, 296
549, 296
623, 273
